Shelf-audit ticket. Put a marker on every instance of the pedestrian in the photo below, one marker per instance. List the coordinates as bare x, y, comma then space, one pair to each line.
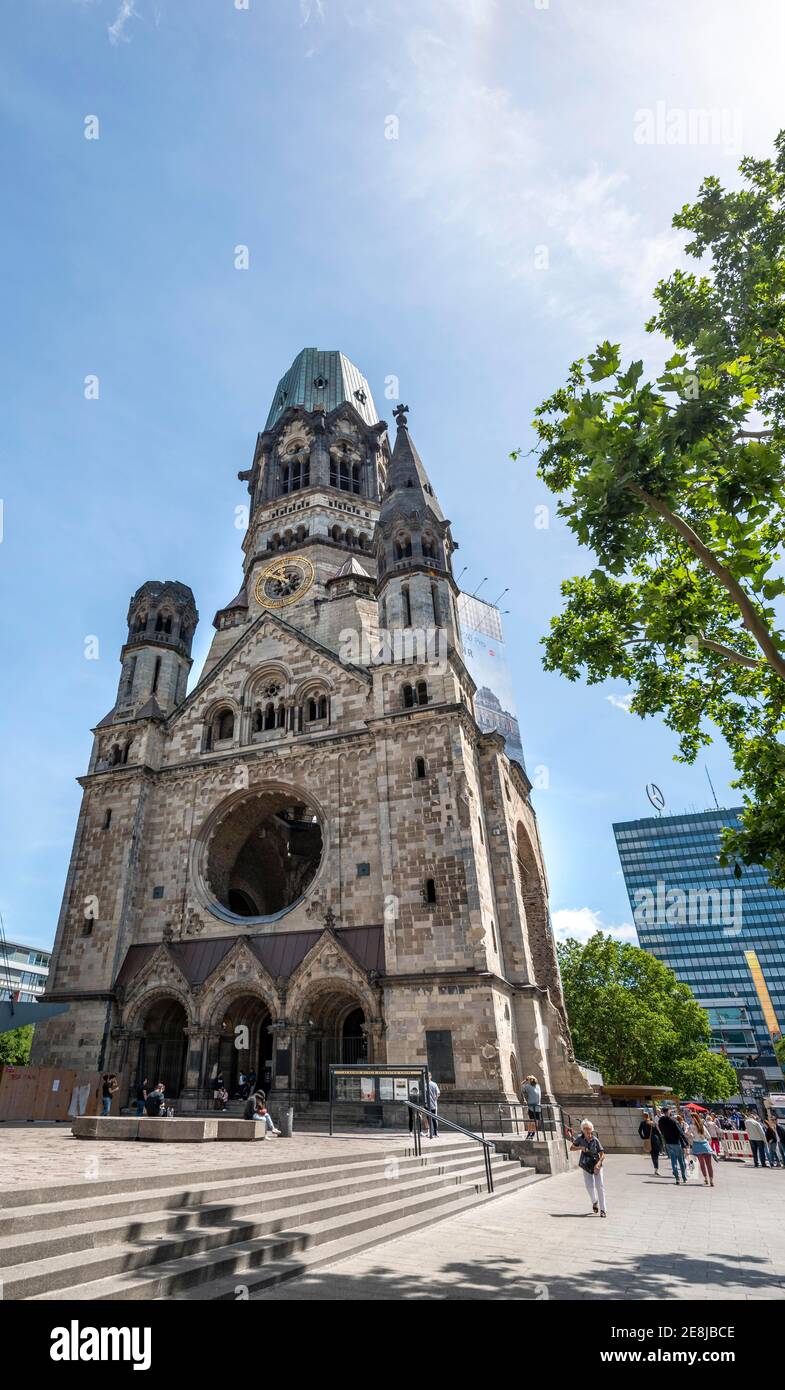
757, 1137
252, 1083
685, 1120
779, 1125
141, 1096
252, 1105
264, 1117
771, 1142
109, 1084
532, 1098
675, 1142
255, 1109
220, 1093
591, 1161
155, 1103
702, 1151
433, 1107
652, 1140
713, 1131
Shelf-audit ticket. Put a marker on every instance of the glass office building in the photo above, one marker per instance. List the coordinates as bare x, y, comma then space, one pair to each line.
723, 936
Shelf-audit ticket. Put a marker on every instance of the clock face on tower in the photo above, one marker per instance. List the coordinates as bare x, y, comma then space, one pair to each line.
284, 582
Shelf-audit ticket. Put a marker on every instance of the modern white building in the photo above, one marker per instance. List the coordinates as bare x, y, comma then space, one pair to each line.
23, 971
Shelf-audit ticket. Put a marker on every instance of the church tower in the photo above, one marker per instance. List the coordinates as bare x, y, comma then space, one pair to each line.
316, 849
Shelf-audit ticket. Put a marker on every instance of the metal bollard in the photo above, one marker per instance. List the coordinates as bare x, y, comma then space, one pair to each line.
287, 1123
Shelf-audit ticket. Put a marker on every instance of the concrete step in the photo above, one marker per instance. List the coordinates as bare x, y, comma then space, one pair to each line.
96, 1187
201, 1188
248, 1261
258, 1212
199, 1234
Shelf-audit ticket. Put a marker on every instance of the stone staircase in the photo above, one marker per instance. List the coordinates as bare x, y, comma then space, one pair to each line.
230, 1233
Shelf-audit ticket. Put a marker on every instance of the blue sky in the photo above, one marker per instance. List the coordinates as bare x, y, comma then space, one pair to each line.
419, 256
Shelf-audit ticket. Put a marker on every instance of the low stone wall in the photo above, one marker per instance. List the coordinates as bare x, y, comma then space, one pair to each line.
543, 1155
174, 1131
616, 1126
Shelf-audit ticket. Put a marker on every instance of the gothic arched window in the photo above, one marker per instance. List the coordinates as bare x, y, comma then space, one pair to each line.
403, 546
435, 603
422, 693
317, 708
428, 546
419, 768
224, 725
408, 697
407, 605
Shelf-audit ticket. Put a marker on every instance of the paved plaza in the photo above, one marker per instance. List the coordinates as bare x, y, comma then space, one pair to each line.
659, 1242
49, 1155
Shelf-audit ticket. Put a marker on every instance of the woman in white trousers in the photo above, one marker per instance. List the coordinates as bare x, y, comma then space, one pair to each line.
591, 1161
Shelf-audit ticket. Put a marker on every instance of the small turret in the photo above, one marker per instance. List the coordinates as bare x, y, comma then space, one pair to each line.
156, 657
414, 546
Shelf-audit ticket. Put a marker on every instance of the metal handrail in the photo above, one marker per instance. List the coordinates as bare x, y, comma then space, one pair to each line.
487, 1145
515, 1115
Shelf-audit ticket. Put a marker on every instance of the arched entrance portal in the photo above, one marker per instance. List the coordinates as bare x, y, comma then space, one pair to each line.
336, 1032
164, 1045
243, 1044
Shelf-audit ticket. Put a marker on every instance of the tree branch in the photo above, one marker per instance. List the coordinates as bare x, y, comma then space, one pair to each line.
754, 434
749, 614
737, 658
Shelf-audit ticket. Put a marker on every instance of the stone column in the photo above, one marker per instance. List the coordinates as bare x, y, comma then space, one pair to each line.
288, 1043
194, 1067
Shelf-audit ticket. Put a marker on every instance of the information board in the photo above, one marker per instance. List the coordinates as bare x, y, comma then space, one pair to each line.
372, 1085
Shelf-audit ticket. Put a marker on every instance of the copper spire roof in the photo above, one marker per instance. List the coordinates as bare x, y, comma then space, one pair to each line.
326, 379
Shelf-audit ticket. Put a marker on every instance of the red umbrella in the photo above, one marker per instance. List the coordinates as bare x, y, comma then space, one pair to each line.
692, 1106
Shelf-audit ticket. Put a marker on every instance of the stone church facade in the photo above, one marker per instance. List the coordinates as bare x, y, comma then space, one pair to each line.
316, 855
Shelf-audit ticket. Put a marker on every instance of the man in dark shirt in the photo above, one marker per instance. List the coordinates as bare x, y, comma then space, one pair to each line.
155, 1101
675, 1142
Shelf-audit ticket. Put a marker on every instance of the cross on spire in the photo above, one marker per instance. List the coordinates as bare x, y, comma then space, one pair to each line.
400, 414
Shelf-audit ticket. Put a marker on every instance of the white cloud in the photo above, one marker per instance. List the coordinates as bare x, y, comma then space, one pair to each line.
485, 166
126, 11
583, 922
620, 702
309, 8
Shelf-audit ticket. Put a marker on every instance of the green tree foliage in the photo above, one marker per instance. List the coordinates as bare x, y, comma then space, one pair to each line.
15, 1046
707, 1074
779, 1052
677, 485
632, 1019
